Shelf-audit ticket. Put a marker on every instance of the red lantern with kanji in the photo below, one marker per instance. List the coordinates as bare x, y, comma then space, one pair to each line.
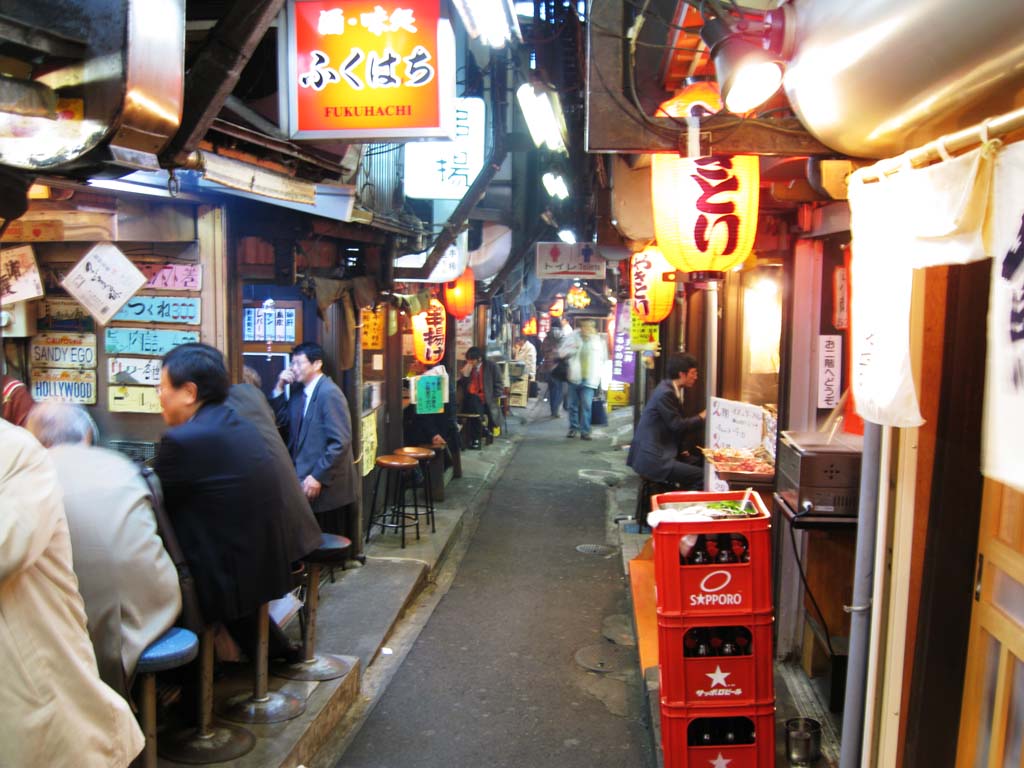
705, 209
652, 285
428, 333
460, 295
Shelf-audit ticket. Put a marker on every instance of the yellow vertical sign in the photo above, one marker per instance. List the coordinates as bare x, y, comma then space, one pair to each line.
642, 335
373, 328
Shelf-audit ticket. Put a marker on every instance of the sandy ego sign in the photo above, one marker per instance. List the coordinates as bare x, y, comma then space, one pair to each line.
63, 350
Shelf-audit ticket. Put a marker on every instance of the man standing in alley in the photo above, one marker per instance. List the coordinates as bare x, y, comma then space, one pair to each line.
316, 417
587, 354
481, 383
654, 453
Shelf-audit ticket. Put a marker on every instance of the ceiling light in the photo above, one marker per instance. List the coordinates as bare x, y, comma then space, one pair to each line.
555, 185
746, 73
494, 21
567, 236
543, 115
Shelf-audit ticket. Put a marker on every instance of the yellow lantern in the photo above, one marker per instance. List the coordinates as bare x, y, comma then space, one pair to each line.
652, 285
428, 333
577, 298
705, 209
557, 306
460, 295
530, 327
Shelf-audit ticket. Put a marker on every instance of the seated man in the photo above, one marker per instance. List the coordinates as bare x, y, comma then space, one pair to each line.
125, 576
482, 389
223, 497
56, 710
654, 453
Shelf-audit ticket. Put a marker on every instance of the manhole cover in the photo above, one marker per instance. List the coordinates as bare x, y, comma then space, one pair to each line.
595, 549
604, 657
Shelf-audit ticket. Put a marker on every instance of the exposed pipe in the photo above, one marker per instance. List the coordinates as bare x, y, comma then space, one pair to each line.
710, 364
863, 588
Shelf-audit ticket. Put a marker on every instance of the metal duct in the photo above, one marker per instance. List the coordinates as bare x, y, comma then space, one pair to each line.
875, 78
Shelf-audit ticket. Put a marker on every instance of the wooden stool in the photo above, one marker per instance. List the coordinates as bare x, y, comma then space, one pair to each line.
424, 456
397, 470
262, 705
174, 648
332, 550
207, 742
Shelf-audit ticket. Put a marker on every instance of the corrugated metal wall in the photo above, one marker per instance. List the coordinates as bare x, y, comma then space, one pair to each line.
379, 178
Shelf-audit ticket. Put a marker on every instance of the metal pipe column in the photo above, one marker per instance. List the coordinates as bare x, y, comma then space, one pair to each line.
710, 364
860, 610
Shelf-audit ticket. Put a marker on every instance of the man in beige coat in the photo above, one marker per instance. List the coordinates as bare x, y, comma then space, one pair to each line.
54, 709
125, 576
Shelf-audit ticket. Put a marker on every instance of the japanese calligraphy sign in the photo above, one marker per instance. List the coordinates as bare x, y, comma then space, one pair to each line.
643, 335
368, 69
141, 341
160, 309
133, 400
623, 359
830, 369
430, 391
559, 260
732, 424
64, 385
373, 328
19, 275
63, 350
259, 324
133, 370
173, 277
444, 170
368, 441
103, 281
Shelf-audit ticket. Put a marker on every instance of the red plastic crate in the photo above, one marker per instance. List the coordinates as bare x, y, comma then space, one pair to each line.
716, 681
679, 753
719, 588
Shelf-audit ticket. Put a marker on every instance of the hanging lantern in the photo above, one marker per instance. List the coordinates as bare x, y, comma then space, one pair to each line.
705, 209
577, 298
530, 327
460, 295
557, 307
428, 332
652, 285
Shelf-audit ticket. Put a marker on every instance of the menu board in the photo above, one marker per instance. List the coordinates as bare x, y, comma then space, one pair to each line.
373, 328
732, 424
430, 392
643, 336
368, 433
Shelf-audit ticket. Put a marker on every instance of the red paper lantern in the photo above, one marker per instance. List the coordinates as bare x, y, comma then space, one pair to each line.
652, 285
705, 209
460, 295
428, 333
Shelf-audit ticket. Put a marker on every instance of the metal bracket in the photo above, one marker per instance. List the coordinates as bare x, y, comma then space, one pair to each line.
857, 608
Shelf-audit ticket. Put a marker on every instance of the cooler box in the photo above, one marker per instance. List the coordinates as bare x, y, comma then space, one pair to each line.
715, 588
735, 737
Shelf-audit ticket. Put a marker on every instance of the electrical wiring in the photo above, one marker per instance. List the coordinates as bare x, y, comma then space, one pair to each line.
803, 578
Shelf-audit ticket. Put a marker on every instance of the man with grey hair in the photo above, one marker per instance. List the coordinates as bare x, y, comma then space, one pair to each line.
127, 580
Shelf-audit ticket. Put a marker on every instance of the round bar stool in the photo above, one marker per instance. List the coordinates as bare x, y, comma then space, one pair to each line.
174, 648
424, 456
315, 666
207, 742
397, 471
262, 705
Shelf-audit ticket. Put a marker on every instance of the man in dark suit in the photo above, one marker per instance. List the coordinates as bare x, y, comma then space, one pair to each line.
303, 531
482, 387
223, 502
654, 452
319, 429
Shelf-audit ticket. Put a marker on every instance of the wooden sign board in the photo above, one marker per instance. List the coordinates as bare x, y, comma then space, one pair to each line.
143, 371
160, 309
64, 385
63, 350
133, 400
64, 315
173, 277
142, 341
373, 328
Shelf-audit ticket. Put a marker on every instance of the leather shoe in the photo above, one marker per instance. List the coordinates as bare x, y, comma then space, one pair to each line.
585, 436
572, 433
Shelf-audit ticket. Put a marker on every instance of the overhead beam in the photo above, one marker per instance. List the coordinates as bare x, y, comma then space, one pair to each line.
613, 123
215, 72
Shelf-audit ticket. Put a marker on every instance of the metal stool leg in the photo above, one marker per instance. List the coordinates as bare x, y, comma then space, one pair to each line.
373, 505
262, 705
314, 666
208, 742
415, 500
147, 688
428, 483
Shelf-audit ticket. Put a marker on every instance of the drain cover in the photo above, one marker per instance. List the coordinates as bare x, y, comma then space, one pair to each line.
595, 549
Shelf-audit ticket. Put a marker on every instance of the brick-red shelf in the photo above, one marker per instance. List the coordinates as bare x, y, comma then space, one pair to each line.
719, 588
675, 724
716, 681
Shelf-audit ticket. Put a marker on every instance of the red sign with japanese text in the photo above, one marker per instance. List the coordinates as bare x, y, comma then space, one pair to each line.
369, 69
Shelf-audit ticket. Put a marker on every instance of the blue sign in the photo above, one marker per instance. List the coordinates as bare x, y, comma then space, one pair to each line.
141, 341
160, 309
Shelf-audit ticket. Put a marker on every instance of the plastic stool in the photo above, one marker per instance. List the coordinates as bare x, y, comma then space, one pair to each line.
424, 456
206, 743
262, 705
315, 666
174, 648
396, 471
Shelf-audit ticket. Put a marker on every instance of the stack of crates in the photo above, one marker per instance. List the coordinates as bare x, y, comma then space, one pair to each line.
715, 637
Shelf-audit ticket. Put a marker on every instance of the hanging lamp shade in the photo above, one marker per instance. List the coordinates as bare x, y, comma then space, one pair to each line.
652, 285
428, 333
460, 294
705, 209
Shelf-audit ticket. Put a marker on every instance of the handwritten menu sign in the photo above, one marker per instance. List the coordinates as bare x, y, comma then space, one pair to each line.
63, 384
733, 424
19, 275
373, 328
368, 433
103, 281
63, 350
141, 341
430, 394
133, 370
133, 400
160, 309
643, 336
173, 277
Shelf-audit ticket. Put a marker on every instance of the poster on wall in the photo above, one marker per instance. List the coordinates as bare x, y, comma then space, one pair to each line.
19, 275
463, 337
103, 281
368, 433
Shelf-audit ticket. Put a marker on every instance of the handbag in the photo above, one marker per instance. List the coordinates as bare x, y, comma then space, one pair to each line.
191, 614
598, 414
561, 370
